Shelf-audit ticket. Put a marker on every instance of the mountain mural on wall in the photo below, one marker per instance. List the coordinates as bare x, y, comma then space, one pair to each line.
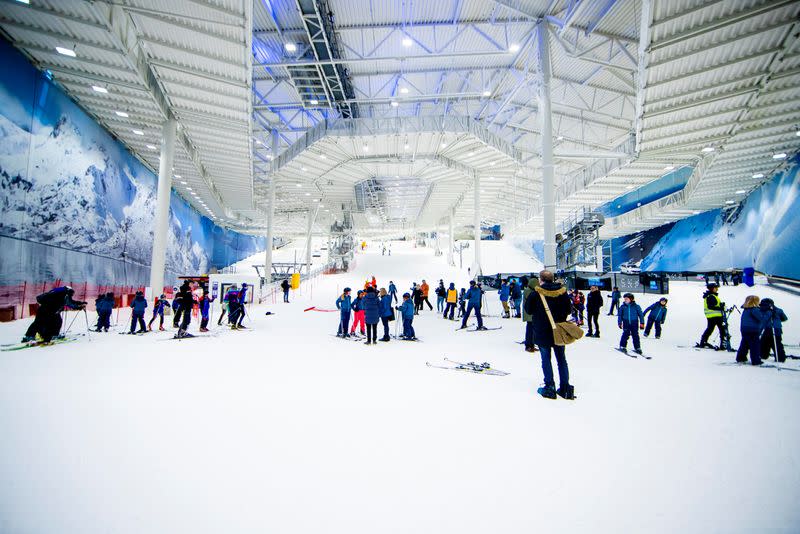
65, 182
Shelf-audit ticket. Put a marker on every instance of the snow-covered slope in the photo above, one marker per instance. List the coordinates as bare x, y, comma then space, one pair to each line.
285, 428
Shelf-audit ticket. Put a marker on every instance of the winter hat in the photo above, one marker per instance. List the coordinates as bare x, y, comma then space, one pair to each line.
347, 290
370, 289
244, 284
406, 296
711, 285
628, 296
472, 282
452, 285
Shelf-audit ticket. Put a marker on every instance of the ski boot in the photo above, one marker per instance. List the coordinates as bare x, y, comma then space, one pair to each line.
548, 392
637, 351
566, 392
241, 326
161, 328
482, 328
623, 349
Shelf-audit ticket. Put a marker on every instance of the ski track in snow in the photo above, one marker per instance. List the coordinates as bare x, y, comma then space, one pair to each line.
288, 429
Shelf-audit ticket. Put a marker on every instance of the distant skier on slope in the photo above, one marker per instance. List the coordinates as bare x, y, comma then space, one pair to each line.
473, 296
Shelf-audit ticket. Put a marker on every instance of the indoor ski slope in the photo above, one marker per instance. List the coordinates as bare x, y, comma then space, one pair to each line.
284, 428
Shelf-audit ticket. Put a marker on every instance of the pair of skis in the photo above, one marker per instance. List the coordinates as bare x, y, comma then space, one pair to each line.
7, 347
484, 329
634, 355
484, 368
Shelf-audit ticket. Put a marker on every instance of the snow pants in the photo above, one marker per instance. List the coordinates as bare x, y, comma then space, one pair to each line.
752, 344
477, 309
104, 320
372, 332
140, 318
161, 324
547, 365
529, 339
614, 305
344, 322
450, 309
358, 318
47, 324
234, 314
713, 322
408, 329
650, 323
591, 316
385, 322
630, 330
516, 304
768, 344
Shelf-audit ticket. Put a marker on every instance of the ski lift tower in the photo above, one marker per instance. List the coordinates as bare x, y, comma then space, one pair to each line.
579, 241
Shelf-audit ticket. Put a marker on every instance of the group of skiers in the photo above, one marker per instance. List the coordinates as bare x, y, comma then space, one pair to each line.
370, 307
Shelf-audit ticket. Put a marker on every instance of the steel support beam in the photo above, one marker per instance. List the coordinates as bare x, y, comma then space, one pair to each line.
476, 264
546, 127
161, 227
641, 69
271, 212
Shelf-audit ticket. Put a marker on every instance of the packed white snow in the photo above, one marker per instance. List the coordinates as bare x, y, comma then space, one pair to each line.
285, 428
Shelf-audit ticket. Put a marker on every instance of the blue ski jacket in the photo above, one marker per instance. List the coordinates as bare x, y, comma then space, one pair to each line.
139, 304
344, 303
615, 295
630, 314
658, 313
371, 308
473, 296
407, 309
158, 307
356, 304
205, 303
504, 292
103, 304
392, 288
775, 316
386, 306
753, 321
516, 292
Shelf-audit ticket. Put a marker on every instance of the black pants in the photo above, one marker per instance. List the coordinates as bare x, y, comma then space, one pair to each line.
450, 309
140, 318
372, 332
630, 330
394, 295
426, 301
750, 343
385, 321
713, 322
529, 340
47, 324
161, 324
234, 314
104, 320
614, 304
591, 316
187, 317
177, 318
242, 313
650, 323
768, 345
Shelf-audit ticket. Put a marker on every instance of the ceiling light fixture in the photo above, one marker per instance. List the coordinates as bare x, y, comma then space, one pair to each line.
308, 194
365, 148
560, 138
313, 101
404, 90
299, 185
407, 42
513, 48
443, 145
121, 114
100, 89
66, 51
741, 192
669, 168
395, 103
188, 188
405, 147
183, 183
178, 176
486, 92
323, 156
138, 132
729, 202
151, 147
779, 155
708, 149
290, 47
758, 175
303, 169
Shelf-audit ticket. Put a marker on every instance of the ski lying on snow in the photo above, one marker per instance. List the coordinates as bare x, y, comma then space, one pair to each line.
471, 367
485, 329
634, 355
765, 365
31, 344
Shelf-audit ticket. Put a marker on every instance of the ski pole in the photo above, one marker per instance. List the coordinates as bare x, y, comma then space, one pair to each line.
70, 324
86, 316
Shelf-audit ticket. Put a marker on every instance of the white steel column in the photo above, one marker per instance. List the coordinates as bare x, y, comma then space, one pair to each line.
312, 214
476, 265
161, 228
271, 213
546, 128
450, 240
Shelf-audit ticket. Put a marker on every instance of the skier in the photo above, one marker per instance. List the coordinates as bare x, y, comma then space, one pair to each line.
424, 288
176, 307
530, 340
104, 305
232, 297
242, 301
630, 320
205, 302
387, 313
344, 305
186, 301
393, 290
451, 297
473, 296
390, 252
713, 308
503, 292
416, 298
139, 304
515, 295
578, 300
358, 313
554, 295
372, 314
407, 313
158, 311
594, 303
285, 286
658, 314
615, 294
461, 302
773, 319
441, 294
47, 323
223, 307
752, 324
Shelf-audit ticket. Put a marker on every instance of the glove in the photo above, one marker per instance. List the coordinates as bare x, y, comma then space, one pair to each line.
641, 326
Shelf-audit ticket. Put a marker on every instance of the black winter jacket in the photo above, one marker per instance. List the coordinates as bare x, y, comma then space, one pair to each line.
594, 301
560, 307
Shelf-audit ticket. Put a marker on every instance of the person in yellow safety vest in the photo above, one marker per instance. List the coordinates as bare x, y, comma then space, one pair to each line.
713, 308
452, 299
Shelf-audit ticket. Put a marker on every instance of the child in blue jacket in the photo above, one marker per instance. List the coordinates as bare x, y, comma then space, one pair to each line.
658, 314
344, 305
158, 311
407, 312
630, 320
205, 304
139, 304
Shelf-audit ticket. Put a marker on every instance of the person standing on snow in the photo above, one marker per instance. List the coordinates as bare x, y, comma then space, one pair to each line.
615, 295
441, 293
407, 313
185, 304
387, 313
424, 288
630, 321
393, 290
554, 296
205, 303
358, 313
452, 298
658, 314
504, 292
285, 286
158, 311
773, 319
713, 308
594, 303
104, 305
752, 324
344, 305
371, 315
234, 306
139, 305
242, 301
515, 296
47, 323
462, 302
473, 296
530, 339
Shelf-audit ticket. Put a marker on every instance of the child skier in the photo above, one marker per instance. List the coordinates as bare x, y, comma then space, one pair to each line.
205, 302
139, 304
344, 305
773, 317
407, 312
630, 320
578, 302
358, 313
387, 313
658, 314
234, 306
104, 305
752, 324
503, 293
158, 311
461, 302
